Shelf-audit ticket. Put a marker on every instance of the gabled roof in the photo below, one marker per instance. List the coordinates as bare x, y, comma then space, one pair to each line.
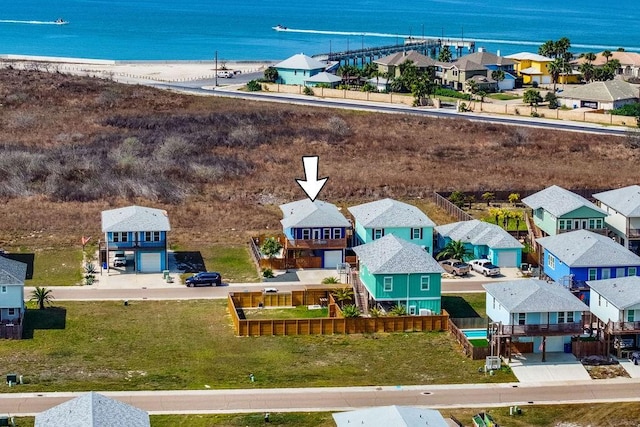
528, 56
531, 71
479, 233
301, 61
135, 218
463, 64
488, 58
389, 213
625, 200
390, 416
622, 292
324, 77
305, 213
610, 90
534, 295
399, 58
583, 248
393, 255
558, 201
93, 410
12, 272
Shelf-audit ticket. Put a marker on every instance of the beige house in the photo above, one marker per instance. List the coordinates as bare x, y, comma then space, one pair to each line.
607, 95
391, 63
455, 74
629, 63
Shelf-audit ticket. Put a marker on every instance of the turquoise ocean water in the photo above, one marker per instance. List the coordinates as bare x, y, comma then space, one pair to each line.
242, 29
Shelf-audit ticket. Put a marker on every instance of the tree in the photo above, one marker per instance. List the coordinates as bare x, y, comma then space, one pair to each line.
556, 67
488, 197
457, 198
421, 89
552, 99
454, 249
445, 54
271, 74
271, 247
398, 310
471, 86
587, 69
350, 311
547, 49
498, 76
532, 97
41, 296
607, 54
514, 198
343, 294
370, 70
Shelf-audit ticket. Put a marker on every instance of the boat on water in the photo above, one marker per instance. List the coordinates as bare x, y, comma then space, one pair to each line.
280, 28
60, 21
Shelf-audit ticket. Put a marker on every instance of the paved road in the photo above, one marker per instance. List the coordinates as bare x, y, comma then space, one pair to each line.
335, 399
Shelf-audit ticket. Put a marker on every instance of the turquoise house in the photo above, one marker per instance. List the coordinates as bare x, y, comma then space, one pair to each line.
484, 240
556, 210
12, 307
394, 271
297, 69
377, 219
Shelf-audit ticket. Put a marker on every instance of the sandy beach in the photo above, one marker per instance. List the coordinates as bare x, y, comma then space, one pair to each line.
161, 71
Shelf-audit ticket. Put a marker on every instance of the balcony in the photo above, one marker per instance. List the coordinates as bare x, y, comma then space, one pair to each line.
539, 330
633, 233
121, 246
603, 231
623, 327
302, 244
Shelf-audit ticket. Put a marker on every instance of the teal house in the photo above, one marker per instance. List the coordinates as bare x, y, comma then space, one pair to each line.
484, 240
377, 219
297, 69
394, 271
556, 210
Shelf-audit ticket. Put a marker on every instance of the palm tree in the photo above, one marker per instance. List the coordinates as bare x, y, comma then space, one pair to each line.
445, 54
547, 48
562, 47
498, 75
488, 197
350, 311
343, 294
607, 54
454, 249
42, 296
587, 69
555, 69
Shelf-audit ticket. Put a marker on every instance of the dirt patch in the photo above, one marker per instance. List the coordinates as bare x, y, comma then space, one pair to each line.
605, 372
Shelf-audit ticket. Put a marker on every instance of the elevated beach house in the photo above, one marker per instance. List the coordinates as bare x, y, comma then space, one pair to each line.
575, 257
623, 220
534, 315
556, 210
315, 230
377, 219
139, 231
394, 271
12, 307
483, 240
297, 69
532, 67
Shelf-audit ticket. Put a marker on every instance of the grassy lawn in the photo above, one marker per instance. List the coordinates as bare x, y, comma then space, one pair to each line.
465, 305
300, 312
187, 344
59, 266
233, 262
502, 96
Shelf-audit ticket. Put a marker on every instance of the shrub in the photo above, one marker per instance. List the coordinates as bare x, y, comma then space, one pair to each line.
534, 84
350, 311
308, 91
254, 86
442, 91
267, 273
330, 280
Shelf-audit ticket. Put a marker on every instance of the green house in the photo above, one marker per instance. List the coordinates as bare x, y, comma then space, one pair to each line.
556, 210
377, 219
394, 271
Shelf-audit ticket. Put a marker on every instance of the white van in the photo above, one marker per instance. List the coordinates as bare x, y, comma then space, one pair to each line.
225, 74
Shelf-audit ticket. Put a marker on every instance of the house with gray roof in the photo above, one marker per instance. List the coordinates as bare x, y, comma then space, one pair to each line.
542, 314
315, 230
93, 410
493, 62
12, 307
607, 95
556, 210
140, 233
616, 303
298, 68
376, 219
484, 240
578, 256
390, 64
455, 74
623, 220
394, 271
324, 79
386, 416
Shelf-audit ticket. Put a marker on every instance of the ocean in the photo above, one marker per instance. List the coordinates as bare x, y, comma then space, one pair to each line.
242, 29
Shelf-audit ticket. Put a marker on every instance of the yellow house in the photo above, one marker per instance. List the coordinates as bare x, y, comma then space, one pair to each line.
532, 67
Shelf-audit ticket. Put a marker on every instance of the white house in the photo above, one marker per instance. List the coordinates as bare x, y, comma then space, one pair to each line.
616, 303
607, 95
623, 207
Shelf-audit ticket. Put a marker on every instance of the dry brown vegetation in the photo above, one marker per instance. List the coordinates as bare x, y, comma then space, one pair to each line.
73, 146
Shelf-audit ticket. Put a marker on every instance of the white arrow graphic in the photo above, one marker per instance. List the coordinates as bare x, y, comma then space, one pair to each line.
311, 184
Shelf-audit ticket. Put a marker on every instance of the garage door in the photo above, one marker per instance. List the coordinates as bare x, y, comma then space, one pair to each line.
507, 259
150, 262
332, 259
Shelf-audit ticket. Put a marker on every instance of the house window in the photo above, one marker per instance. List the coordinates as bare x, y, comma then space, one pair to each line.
562, 224
522, 317
569, 316
306, 233
416, 233
561, 317
151, 236
551, 262
632, 271
599, 300
592, 223
424, 283
12, 312
494, 302
120, 236
337, 233
599, 223
378, 233
388, 284
593, 274
3, 289
326, 233
568, 224
606, 273
565, 317
631, 316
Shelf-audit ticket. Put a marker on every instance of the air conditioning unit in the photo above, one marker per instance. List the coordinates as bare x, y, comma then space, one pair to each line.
425, 312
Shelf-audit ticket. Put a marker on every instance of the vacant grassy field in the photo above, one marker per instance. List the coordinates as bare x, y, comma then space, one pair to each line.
301, 312
53, 266
187, 344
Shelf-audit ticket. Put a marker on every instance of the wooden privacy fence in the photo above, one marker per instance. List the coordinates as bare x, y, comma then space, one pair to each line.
11, 331
476, 353
581, 348
450, 208
320, 326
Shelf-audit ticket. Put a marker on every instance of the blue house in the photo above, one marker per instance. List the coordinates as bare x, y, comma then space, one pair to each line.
484, 240
297, 69
12, 308
582, 255
376, 219
533, 311
394, 271
139, 231
315, 229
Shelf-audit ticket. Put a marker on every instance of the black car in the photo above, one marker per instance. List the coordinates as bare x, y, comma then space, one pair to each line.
204, 279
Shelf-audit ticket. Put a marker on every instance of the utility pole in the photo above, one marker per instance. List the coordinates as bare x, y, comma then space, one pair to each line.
216, 75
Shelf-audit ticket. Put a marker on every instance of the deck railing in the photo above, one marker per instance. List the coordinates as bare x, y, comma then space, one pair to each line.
539, 330
316, 243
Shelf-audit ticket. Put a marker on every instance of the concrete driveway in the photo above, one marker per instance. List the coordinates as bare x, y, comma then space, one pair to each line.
529, 368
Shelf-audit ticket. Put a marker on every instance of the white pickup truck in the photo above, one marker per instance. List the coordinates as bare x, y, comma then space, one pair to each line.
485, 267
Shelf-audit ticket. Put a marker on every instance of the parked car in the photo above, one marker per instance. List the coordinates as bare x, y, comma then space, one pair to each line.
270, 290
209, 278
119, 260
225, 74
455, 267
485, 267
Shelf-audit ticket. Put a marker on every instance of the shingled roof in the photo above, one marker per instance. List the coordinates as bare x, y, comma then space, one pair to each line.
534, 295
479, 233
607, 91
399, 58
387, 416
301, 61
622, 292
305, 213
12, 272
135, 218
389, 213
624, 200
393, 255
558, 201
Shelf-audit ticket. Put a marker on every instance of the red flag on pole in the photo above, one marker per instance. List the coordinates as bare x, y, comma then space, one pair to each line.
85, 240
